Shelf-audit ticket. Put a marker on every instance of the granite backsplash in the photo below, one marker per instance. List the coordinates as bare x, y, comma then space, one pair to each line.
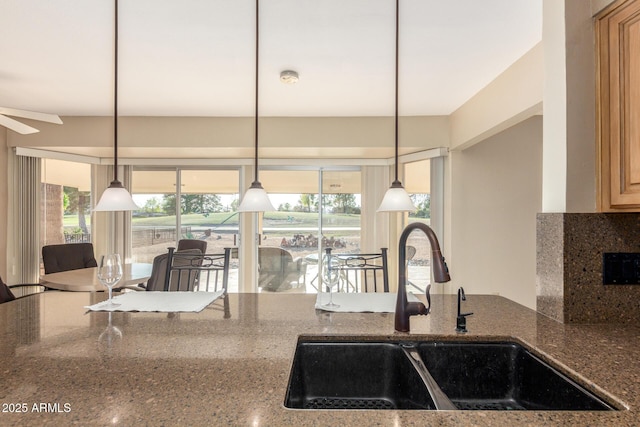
570, 248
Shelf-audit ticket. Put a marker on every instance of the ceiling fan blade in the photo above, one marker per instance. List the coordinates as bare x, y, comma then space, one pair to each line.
16, 126
41, 117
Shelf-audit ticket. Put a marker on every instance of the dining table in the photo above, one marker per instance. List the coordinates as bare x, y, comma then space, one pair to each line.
86, 279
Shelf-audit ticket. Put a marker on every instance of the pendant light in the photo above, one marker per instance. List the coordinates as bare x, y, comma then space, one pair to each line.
396, 198
116, 197
256, 199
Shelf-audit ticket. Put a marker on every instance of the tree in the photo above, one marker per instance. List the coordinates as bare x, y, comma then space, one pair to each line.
78, 201
200, 203
423, 203
192, 203
308, 200
286, 207
234, 205
152, 205
344, 203
169, 204
327, 203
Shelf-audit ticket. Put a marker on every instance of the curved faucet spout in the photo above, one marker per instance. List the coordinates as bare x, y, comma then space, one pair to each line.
405, 309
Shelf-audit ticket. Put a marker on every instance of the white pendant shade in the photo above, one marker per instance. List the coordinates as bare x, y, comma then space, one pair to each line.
256, 200
116, 198
396, 199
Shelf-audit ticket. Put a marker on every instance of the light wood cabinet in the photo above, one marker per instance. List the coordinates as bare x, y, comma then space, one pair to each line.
618, 43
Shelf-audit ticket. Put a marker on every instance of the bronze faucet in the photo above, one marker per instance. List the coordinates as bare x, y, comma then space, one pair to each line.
405, 309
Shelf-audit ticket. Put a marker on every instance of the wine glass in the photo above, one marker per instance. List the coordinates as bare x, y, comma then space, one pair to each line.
330, 280
109, 273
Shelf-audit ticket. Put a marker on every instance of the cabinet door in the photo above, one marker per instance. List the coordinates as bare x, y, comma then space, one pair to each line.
618, 32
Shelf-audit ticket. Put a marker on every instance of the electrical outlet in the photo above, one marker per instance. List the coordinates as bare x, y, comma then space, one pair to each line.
621, 268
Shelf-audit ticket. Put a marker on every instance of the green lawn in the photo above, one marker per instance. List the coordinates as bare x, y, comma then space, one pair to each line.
72, 220
271, 219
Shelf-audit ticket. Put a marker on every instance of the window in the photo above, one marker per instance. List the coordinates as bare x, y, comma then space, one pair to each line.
316, 209
66, 202
418, 185
206, 211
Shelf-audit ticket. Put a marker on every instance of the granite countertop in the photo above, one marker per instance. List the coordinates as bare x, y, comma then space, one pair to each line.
232, 368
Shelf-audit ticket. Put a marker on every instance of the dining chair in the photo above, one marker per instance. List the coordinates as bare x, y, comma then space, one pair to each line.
358, 272
6, 293
197, 271
68, 256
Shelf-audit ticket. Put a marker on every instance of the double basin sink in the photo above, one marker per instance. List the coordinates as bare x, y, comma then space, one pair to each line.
430, 375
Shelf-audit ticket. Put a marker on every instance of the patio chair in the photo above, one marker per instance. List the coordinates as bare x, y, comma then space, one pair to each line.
411, 252
156, 281
356, 272
278, 271
184, 244
69, 256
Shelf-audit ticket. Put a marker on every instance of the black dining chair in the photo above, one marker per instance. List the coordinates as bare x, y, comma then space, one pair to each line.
6, 293
69, 256
358, 272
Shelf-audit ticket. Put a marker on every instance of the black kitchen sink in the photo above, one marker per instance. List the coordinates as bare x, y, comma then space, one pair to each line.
353, 374
503, 376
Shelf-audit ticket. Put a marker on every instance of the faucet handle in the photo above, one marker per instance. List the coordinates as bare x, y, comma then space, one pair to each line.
428, 293
461, 321
462, 297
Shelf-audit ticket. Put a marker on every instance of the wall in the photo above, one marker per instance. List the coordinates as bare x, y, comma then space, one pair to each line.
569, 166
51, 215
496, 196
519, 91
598, 5
232, 137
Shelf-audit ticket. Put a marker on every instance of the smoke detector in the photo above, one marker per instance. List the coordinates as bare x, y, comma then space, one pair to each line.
289, 77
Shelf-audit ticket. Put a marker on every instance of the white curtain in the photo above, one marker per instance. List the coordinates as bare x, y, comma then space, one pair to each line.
375, 226
24, 229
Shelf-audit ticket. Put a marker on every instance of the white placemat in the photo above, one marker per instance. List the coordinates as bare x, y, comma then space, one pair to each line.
165, 302
361, 302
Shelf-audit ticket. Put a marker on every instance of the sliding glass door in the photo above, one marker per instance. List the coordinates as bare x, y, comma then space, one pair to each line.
182, 203
316, 209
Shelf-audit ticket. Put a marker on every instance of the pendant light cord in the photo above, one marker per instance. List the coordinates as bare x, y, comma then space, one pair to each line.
115, 98
256, 106
396, 95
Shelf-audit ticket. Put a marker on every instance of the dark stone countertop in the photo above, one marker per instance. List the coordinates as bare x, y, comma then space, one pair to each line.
204, 369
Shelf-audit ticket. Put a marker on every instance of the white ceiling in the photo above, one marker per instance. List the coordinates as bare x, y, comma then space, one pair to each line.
196, 57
